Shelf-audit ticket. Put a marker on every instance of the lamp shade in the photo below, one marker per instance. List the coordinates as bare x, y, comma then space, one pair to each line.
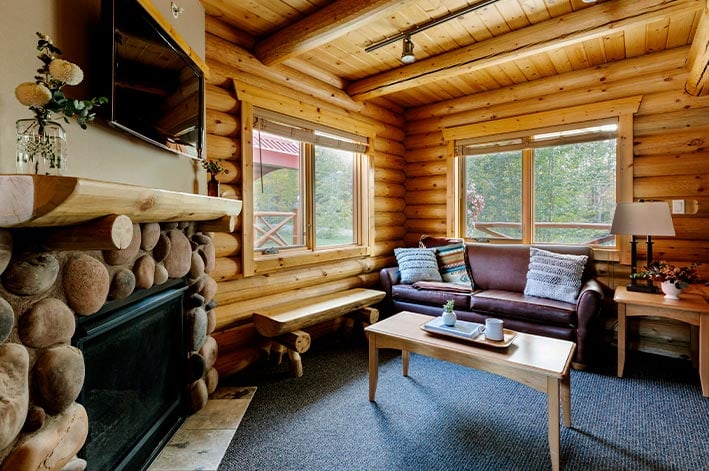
643, 218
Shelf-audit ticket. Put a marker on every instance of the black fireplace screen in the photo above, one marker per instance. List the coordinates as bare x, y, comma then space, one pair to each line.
133, 390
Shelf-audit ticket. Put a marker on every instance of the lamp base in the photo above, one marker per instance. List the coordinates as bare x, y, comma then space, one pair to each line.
643, 288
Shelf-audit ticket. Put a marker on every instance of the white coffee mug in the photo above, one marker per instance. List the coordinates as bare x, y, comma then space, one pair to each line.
493, 329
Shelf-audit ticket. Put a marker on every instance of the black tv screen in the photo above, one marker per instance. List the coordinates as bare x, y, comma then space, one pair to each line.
156, 89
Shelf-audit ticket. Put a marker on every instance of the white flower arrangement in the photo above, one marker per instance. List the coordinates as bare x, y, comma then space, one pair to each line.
44, 96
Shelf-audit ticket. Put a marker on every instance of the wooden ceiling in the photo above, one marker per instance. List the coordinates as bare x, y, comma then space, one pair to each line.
503, 43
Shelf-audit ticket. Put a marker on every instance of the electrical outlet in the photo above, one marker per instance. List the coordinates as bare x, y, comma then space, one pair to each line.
677, 206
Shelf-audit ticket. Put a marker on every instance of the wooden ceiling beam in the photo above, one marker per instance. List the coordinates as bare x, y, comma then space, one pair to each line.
698, 80
321, 27
591, 23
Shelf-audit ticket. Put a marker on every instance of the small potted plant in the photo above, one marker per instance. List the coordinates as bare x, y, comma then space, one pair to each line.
213, 168
448, 315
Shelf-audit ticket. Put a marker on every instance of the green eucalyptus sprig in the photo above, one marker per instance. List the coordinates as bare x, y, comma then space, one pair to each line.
214, 167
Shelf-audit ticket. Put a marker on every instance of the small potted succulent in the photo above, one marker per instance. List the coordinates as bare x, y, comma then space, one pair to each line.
448, 315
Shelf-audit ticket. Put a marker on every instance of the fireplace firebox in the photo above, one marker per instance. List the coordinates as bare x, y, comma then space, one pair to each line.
134, 386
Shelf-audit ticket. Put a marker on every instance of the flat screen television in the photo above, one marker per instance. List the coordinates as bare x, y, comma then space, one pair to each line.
156, 90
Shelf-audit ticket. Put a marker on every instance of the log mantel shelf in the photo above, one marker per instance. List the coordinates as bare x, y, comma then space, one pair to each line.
48, 201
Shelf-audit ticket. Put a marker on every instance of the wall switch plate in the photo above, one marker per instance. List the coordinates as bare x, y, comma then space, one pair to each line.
677, 206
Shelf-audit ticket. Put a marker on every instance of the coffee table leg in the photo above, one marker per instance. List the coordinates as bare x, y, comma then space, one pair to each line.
405, 362
622, 338
553, 421
373, 365
566, 398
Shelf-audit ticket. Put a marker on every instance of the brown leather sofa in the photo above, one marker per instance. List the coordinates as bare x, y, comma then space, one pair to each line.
499, 274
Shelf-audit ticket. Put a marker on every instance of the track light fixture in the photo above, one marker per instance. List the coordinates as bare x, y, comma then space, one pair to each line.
407, 52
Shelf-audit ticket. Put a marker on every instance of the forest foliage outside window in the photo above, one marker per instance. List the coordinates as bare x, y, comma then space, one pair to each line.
567, 193
306, 185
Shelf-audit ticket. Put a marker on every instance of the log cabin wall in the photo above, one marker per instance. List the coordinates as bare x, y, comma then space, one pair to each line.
239, 296
670, 162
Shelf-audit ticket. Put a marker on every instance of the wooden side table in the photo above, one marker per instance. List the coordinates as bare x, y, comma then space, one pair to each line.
691, 308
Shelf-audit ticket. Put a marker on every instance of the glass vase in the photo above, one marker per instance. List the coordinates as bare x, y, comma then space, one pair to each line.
41, 149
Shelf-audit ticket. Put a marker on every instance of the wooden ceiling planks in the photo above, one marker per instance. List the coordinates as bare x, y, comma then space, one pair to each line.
492, 29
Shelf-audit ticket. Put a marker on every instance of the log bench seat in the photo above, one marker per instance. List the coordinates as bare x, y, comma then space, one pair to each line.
284, 324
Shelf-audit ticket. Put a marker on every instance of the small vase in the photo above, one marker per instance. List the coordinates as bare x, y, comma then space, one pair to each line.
670, 290
41, 149
213, 186
449, 318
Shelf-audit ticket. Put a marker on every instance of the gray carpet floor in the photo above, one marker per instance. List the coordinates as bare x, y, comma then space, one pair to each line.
448, 417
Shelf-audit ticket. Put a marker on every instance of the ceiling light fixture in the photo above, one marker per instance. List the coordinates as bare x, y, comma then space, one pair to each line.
407, 52
406, 35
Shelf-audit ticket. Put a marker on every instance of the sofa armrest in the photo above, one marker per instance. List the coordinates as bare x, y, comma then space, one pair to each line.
588, 309
389, 277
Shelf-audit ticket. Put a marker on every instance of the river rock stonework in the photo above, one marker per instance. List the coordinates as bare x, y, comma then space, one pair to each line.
42, 427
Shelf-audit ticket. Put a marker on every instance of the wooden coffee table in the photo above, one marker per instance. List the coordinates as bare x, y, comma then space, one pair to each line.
541, 363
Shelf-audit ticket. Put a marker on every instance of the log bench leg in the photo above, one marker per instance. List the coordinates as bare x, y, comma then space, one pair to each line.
292, 344
295, 363
362, 317
278, 350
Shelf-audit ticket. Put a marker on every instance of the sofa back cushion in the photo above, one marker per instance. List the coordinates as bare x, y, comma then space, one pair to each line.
505, 266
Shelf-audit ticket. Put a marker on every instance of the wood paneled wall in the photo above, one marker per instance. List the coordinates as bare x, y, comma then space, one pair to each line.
671, 161
239, 296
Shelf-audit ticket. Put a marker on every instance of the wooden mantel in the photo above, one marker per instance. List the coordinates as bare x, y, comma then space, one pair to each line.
48, 201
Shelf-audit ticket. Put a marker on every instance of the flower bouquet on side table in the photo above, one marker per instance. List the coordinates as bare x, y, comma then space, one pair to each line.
673, 279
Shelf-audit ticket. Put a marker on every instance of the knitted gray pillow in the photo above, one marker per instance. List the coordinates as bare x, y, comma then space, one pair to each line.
417, 265
554, 276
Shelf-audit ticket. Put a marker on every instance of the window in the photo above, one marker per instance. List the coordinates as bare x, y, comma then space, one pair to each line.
308, 180
556, 185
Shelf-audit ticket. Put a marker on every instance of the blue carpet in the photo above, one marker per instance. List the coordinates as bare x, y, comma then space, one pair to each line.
448, 417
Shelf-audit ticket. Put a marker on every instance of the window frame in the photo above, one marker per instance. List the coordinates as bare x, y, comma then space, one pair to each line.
255, 262
573, 117
526, 147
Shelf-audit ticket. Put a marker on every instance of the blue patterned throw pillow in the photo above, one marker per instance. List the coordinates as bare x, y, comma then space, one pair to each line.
553, 275
417, 265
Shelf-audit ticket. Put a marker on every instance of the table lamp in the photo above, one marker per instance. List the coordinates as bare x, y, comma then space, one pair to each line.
638, 219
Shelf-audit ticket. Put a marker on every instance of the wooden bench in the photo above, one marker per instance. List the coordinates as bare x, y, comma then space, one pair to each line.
283, 324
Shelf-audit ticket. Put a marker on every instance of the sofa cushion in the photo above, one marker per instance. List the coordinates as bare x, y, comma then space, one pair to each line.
516, 305
430, 297
417, 265
442, 286
553, 275
505, 266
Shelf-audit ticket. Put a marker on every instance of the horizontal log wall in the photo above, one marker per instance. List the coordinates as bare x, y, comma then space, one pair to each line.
238, 297
671, 161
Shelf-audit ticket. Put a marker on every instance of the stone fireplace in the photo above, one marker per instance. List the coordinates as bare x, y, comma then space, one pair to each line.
85, 252
115, 343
